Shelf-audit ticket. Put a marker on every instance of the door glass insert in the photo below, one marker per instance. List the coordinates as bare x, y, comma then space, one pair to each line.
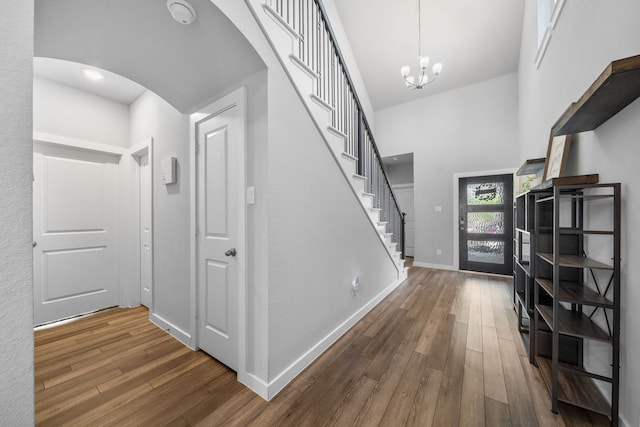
487, 193
485, 222
486, 251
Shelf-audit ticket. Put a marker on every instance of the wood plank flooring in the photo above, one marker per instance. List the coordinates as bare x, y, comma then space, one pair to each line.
441, 350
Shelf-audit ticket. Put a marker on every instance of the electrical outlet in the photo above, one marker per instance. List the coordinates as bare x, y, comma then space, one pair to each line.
438, 251
355, 285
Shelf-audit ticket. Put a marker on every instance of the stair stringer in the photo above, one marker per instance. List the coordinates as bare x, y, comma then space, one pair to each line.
283, 39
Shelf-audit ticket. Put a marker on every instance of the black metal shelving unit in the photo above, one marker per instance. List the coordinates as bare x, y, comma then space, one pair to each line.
577, 297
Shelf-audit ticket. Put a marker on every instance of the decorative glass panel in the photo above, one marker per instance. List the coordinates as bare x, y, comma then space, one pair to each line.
488, 193
488, 251
485, 222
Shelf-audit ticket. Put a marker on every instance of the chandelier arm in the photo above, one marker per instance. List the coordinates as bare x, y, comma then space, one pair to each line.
422, 71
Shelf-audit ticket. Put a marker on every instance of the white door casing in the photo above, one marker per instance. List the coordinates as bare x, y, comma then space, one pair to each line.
218, 131
146, 252
75, 202
404, 195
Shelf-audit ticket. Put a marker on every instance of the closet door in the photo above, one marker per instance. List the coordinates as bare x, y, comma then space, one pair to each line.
74, 229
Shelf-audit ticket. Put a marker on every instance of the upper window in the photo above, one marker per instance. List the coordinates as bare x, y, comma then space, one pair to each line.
548, 14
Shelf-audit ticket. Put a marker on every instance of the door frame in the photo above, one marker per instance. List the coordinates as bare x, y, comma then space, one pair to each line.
145, 147
456, 206
237, 98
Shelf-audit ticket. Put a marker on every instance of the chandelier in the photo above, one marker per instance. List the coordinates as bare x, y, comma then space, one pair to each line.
423, 63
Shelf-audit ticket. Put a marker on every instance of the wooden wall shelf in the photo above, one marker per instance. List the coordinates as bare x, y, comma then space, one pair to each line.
616, 87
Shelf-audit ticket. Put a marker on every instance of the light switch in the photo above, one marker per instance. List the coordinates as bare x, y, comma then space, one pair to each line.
437, 209
251, 195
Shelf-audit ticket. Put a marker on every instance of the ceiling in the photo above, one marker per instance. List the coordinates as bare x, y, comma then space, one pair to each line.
187, 65
68, 73
475, 41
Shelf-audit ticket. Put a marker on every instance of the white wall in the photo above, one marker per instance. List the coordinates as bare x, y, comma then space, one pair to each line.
16, 304
587, 37
64, 111
400, 173
473, 128
319, 236
152, 117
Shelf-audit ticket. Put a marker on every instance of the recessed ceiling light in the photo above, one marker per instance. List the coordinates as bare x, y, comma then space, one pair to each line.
92, 74
395, 159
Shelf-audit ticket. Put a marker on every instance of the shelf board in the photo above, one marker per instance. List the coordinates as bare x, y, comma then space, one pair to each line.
525, 266
575, 293
578, 231
575, 261
574, 180
545, 199
521, 300
573, 324
522, 230
587, 196
531, 166
615, 88
574, 389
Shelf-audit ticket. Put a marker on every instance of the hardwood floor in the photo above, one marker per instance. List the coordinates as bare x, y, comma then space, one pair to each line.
442, 350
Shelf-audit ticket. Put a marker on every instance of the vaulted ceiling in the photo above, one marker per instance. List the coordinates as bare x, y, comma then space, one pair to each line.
185, 64
475, 40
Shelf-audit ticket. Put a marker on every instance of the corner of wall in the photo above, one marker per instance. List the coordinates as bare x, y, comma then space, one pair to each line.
16, 150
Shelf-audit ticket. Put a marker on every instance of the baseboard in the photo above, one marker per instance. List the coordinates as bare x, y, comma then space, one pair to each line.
435, 266
290, 373
625, 423
174, 331
254, 383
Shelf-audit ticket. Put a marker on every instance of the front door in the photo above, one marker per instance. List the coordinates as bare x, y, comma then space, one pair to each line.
220, 224
485, 223
74, 231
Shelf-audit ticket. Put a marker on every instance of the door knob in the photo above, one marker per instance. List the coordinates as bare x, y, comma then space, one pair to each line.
35, 244
231, 252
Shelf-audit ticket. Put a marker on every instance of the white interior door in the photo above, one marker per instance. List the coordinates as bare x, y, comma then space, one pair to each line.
74, 229
220, 224
146, 253
404, 195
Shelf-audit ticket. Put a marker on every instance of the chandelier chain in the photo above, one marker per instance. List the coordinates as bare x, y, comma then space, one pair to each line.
419, 28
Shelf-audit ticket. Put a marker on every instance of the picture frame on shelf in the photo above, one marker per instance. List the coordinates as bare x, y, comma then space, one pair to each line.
555, 165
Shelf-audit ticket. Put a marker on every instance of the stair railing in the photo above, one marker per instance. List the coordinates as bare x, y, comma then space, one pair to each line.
319, 52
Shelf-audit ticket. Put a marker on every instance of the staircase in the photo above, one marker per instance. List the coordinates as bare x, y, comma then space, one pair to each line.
304, 42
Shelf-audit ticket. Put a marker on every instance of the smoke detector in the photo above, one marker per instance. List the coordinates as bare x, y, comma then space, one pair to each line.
181, 11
